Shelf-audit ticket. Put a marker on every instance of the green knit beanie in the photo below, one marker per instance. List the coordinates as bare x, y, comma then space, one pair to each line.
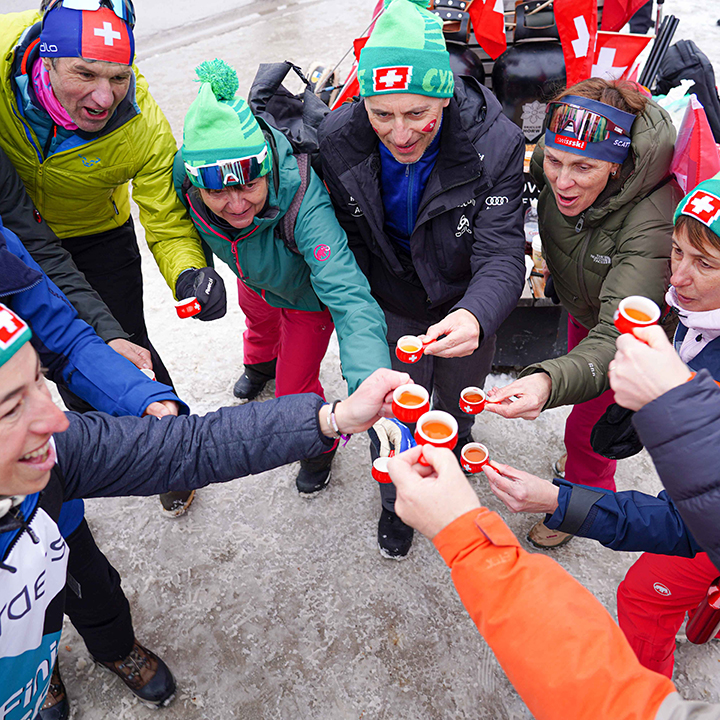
703, 204
219, 125
406, 53
14, 333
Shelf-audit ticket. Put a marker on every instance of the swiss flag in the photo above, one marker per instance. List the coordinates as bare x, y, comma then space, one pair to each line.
105, 37
488, 24
10, 327
616, 53
703, 206
396, 77
617, 12
577, 24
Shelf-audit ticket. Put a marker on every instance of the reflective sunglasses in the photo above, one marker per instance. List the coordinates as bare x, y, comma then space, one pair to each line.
587, 125
229, 172
122, 8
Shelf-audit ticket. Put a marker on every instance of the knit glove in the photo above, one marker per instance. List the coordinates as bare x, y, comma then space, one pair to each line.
209, 289
389, 434
614, 435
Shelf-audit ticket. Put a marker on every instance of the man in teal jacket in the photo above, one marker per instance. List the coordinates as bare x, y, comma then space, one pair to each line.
297, 278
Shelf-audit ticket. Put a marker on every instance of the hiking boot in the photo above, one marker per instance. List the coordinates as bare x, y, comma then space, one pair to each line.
254, 378
176, 502
544, 538
559, 466
56, 705
314, 473
394, 536
147, 676
461, 443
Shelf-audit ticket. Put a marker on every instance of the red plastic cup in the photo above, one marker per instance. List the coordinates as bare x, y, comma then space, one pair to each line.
148, 372
428, 431
379, 470
410, 348
474, 457
472, 400
188, 307
634, 312
410, 402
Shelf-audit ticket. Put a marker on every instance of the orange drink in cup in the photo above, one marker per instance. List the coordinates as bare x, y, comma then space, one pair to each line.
410, 348
436, 428
410, 402
472, 400
634, 312
474, 457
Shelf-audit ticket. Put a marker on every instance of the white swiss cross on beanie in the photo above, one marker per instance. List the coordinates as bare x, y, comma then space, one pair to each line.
703, 206
392, 78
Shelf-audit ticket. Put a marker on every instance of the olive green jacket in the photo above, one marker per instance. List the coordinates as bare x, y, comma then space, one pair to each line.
620, 246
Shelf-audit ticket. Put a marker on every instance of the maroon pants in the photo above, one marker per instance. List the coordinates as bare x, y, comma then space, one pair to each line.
652, 601
584, 466
298, 339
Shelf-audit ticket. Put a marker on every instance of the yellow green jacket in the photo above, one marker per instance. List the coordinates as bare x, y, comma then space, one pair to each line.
82, 187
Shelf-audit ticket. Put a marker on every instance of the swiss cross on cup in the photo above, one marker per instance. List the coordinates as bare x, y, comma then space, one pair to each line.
392, 78
10, 327
703, 206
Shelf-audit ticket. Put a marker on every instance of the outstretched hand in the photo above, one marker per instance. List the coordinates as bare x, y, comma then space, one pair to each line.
520, 491
645, 367
137, 355
462, 335
430, 498
525, 398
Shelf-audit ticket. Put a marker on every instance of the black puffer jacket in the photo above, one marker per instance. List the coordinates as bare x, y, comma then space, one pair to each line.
468, 242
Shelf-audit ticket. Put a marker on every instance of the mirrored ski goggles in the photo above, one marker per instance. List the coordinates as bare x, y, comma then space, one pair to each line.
230, 172
122, 8
585, 124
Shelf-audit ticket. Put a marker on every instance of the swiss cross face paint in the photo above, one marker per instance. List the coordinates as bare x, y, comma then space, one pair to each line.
430, 126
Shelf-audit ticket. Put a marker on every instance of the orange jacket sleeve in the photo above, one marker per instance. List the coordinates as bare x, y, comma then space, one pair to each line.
559, 647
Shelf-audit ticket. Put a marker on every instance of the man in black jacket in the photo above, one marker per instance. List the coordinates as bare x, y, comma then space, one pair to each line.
426, 178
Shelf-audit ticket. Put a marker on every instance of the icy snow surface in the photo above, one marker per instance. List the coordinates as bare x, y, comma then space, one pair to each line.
266, 605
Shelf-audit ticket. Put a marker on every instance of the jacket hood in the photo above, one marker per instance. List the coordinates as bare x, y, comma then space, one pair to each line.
477, 106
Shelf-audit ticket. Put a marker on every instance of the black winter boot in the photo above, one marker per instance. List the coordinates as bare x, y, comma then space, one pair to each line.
394, 536
254, 379
56, 706
314, 473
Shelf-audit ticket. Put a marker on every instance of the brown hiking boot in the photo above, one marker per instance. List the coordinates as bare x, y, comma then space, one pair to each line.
544, 538
56, 705
176, 502
559, 466
147, 676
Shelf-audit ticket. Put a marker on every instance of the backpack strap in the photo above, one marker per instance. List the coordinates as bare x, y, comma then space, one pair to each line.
285, 229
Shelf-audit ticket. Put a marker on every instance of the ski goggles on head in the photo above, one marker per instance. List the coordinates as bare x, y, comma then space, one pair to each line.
124, 9
586, 125
230, 172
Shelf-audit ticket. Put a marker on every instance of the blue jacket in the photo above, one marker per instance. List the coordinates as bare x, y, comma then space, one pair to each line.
632, 520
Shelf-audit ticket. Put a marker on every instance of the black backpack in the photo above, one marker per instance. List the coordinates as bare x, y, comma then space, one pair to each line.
297, 117
685, 61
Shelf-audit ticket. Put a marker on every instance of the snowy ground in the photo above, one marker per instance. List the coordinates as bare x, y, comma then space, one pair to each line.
266, 605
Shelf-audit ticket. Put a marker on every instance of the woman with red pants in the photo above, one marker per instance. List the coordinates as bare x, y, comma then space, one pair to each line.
605, 217
239, 179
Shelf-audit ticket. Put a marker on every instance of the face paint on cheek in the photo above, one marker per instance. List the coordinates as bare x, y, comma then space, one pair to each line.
430, 126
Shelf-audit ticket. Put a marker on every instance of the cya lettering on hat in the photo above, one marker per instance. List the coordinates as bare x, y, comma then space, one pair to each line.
438, 81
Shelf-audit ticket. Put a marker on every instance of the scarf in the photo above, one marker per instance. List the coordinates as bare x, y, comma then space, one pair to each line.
703, 327
46, 97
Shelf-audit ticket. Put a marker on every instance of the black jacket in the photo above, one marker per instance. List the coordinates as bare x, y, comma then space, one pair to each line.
468, 243
20, 215
681, 430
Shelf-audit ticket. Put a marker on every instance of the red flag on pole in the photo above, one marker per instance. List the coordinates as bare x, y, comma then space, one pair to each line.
488, 24
616, 53
577, 24
617, 12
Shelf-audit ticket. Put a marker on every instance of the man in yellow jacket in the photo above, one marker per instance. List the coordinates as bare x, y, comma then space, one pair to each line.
78, 123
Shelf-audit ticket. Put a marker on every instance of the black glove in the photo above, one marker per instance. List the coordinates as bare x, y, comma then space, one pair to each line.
209, 289
550, 291
614, 436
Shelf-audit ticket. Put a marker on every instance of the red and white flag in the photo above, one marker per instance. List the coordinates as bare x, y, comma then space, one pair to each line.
617, 12
577, 24
616, 53
488, 24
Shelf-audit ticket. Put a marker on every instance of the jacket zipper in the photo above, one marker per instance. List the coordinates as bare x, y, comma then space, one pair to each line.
410, 175
233, 246
25, 528
581, 275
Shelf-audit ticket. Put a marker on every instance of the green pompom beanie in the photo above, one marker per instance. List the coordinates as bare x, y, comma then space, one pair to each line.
219, 125
14, 333
703, 204
406, 53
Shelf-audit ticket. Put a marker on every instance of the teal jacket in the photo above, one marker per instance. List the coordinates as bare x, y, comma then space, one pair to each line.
323, 274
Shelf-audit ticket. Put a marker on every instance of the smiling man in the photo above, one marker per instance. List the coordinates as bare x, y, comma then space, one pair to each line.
78, 123
425, 174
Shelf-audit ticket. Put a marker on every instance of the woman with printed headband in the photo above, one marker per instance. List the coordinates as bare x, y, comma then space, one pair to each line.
605, 214
239, 179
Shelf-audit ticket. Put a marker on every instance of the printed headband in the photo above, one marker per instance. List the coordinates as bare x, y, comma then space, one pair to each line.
92, 34
589, 128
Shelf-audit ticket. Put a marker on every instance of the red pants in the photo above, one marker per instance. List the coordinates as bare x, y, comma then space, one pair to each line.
584, 466
652, 601
297, 338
